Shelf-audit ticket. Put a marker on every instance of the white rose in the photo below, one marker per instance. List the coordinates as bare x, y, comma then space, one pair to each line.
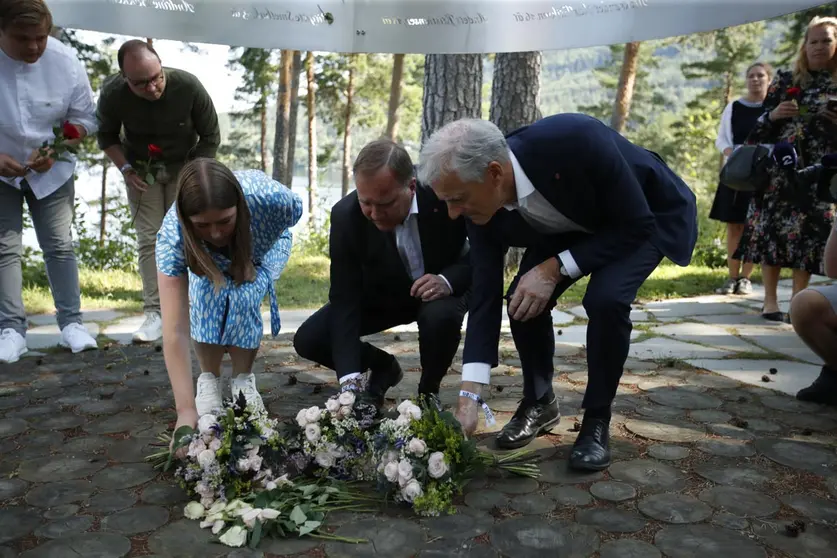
206, 458
391, 455
214, 517
412, 490
436, 466
234, 506
313, 414
346, 398
235, 536
391, 471
270, 485
253, 452
402, 420
332, 405
414, 412
250, 517
324, 459
268, 514
403, 406
300, 418
283, 480
312, 432
256, 463
207, 501
243, 464
217, 526
194, 510
243, 510
217, 507
405, 470
344, 412
417, 447
206, 423
207, 523
195, 448
215, 445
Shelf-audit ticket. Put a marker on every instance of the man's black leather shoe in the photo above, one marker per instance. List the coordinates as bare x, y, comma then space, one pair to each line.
430, 400
591, 451
531, 419
380, 380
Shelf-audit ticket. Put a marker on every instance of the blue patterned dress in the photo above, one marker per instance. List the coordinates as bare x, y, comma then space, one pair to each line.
232, 315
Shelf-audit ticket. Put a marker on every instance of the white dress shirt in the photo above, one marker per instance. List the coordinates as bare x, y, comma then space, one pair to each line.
543, 217
35, 98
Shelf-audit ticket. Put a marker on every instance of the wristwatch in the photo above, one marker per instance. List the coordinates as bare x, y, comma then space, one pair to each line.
126, 167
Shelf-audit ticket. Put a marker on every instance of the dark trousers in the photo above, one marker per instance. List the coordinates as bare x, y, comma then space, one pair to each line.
439, 325
608, 299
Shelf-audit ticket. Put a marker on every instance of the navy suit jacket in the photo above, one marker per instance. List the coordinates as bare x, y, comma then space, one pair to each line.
624, 194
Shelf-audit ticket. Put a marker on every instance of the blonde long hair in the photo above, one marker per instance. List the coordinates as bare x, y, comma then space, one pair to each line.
801, 71
205, 184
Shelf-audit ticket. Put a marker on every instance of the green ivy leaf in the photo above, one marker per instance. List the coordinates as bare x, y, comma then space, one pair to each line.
298, 516
256, 535
149, 179
308, 527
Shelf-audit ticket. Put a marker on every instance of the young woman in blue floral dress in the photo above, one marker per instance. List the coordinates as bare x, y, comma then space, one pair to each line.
221, 247
788, 225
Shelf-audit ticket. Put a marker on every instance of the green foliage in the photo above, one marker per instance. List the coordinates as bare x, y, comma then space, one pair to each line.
118, 249
788, 46
314, 241
437, 497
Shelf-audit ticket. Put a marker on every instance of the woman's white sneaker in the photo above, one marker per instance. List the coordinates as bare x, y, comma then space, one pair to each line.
207, 394
77, 338
246, 384
12, 346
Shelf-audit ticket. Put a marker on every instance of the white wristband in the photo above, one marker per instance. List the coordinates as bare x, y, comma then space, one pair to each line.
489, 416
126, 167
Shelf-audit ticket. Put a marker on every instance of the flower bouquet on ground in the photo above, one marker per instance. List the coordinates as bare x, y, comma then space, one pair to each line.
288, 509
230, 456
337, 437
423, 458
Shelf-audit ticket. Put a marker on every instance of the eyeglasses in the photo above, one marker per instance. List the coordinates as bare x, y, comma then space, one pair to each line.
144, 83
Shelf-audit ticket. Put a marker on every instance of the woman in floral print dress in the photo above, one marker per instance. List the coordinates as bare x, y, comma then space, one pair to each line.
788, 226
222, 245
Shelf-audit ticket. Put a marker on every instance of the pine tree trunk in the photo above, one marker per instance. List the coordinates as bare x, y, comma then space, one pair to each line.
515, 91
395, 95
104, 211
263, 131
625, 90
312, 139
283, 116
347, 127
452, 90
515, 96
296, 68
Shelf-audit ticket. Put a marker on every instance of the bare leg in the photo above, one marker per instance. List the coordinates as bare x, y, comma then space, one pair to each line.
801, 278
734, 231
209, 357
771, 283
815, 322
242, 359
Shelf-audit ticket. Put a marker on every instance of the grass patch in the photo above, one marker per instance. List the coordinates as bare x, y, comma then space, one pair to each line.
305, 281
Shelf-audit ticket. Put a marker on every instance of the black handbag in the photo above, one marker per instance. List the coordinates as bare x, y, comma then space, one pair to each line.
746, 169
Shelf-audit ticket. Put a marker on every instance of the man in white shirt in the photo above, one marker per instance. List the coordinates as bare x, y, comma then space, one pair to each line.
44, 86
396, 258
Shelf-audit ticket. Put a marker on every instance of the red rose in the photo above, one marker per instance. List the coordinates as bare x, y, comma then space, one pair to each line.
794, 92
70, 131
154, 151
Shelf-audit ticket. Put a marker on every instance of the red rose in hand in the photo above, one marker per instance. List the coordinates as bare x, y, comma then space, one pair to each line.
154, 151
794, 92
70, 131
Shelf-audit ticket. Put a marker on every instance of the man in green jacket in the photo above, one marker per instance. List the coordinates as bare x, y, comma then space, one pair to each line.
152, 120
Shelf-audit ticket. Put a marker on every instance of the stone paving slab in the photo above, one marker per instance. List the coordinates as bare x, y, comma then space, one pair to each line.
780, 340
790, 376
705, 334
662, 348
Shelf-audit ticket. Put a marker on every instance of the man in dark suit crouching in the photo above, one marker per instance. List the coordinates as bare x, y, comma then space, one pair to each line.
582, 200
396, 258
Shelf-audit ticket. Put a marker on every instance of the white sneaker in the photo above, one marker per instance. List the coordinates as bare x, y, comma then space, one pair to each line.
12, 346
77, 338
246, 384
207, 394
151, 329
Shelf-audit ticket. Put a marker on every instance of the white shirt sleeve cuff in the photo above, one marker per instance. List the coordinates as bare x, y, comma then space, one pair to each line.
445, 279
569, 264
347, 377
479, 372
